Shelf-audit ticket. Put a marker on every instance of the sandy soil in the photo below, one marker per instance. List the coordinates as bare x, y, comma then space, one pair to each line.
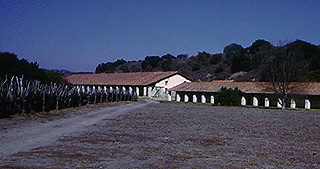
163, 135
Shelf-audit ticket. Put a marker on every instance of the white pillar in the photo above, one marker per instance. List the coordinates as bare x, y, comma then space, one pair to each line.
212, 99
194, 98
130, 89
178, 98
117, 88
149, 91
279, 103
255, 102
144, 91
186, 98
266, 102
307, 104
203, 99
292, 104
123, 88
169, 97
111, 89
243, 101
137, 91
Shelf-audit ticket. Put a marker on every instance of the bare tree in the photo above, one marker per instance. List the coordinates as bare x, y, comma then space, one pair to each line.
283, 69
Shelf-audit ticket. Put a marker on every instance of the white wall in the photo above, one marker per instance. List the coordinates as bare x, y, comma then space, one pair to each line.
172, 81
166, 84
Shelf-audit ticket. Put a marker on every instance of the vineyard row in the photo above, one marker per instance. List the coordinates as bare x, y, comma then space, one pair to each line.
22, 96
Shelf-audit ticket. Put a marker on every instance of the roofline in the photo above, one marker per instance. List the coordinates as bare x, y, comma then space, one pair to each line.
176, 73
290, 94
171, 73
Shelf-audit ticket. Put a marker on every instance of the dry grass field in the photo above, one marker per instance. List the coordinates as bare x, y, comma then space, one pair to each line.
179, 135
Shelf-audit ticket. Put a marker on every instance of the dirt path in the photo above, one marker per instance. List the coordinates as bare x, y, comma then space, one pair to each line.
38, 134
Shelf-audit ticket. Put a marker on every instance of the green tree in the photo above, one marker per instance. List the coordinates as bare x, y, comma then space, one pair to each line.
229, 97
203, 58
168, 57
306, 49
234, 49
237, 58
9, 63
150, 63
52, 76
215, 59
182, 56
10, 66
259, 45
109, 67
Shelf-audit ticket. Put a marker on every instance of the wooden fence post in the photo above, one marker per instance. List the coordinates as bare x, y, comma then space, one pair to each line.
44, 101
57, 103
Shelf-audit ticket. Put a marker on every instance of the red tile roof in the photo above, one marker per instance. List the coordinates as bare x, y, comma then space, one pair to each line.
305, 88
130, 79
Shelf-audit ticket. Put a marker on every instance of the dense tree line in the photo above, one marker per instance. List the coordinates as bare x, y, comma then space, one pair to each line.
251, 62
11, 65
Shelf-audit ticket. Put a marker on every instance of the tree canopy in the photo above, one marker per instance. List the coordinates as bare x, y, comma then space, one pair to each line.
11, 65
235, 58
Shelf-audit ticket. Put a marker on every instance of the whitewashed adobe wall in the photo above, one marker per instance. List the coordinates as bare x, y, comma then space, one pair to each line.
171, 81
160, 89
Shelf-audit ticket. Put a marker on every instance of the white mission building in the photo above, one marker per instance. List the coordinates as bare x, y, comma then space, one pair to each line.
145, 84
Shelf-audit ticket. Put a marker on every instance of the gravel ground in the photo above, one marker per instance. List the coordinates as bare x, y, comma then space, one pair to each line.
179, 135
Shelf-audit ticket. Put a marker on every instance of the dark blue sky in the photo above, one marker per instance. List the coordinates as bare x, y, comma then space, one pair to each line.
79, 35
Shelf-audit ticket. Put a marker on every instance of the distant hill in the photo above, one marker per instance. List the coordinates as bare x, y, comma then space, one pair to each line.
68, 73
236, 62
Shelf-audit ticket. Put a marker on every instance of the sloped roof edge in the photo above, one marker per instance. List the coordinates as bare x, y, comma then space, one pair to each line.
130, 79
304, 88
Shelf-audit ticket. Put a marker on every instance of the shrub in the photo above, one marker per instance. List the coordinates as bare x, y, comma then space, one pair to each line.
229, 97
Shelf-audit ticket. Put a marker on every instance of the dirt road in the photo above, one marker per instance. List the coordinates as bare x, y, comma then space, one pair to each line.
38, 133
167, 135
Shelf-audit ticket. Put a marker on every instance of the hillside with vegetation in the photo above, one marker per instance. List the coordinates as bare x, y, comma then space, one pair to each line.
11, 65
236, 62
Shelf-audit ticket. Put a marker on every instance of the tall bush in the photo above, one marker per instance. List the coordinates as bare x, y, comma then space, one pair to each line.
229, 97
